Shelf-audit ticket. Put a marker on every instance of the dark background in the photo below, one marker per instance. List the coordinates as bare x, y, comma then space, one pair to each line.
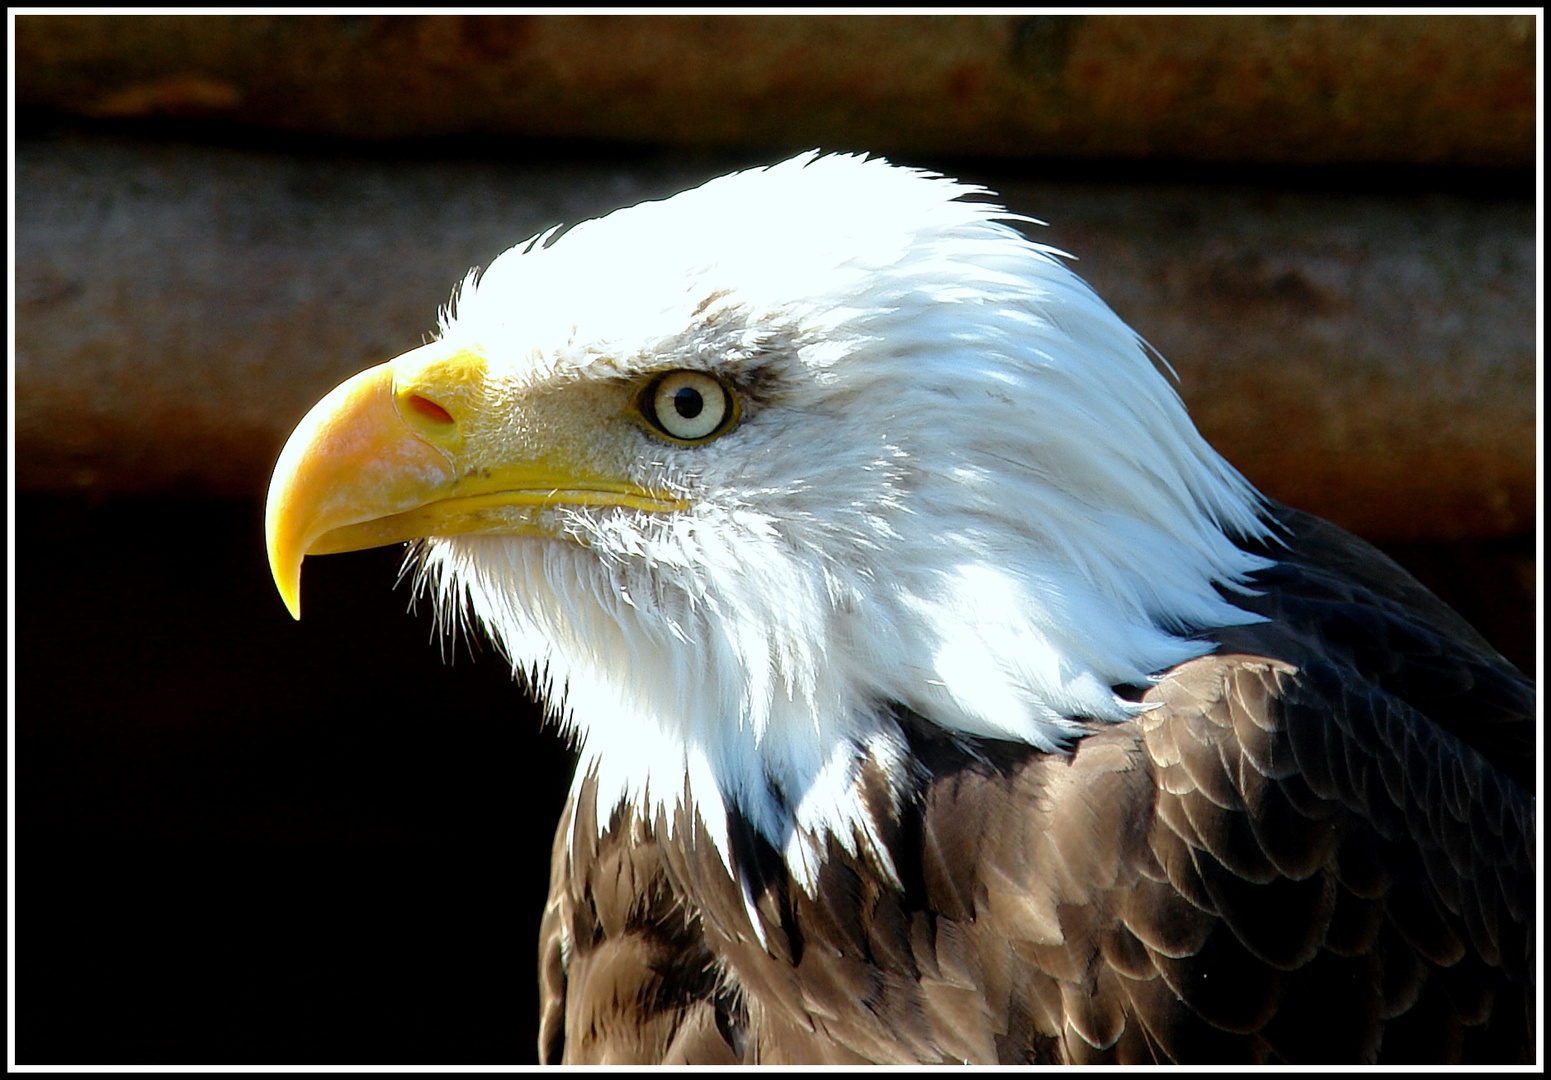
243, 838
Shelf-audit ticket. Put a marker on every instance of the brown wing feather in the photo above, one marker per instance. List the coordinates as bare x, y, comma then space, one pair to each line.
624, 971
1316, 847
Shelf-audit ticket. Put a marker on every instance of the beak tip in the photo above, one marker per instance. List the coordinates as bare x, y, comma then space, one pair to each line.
285, 548
290, 590
287, 576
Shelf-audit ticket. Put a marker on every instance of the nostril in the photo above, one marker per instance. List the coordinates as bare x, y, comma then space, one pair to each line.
428, 408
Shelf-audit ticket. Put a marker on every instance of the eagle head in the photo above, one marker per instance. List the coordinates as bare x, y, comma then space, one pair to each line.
734, 476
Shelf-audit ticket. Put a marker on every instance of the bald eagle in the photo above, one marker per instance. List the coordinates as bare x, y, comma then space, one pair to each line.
940, 694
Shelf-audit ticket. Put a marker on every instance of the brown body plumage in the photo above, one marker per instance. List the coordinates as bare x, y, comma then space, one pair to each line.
1319, 848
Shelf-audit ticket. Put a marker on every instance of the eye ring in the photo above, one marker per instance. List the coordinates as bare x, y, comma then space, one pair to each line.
689, 407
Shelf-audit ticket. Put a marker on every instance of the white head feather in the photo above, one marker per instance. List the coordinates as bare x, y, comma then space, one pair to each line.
960, 484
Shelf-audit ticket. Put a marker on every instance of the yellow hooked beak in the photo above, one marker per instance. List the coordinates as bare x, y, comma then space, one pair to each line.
409, 449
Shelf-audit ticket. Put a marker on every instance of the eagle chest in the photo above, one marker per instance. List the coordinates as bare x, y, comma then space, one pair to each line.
1211, 882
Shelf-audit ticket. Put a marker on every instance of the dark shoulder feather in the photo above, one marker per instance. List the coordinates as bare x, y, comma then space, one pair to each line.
1335, 595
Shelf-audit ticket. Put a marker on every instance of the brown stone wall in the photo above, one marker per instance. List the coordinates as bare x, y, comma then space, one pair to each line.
1367, 358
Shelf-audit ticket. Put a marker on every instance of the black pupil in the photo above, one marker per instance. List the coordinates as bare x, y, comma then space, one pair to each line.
687, 402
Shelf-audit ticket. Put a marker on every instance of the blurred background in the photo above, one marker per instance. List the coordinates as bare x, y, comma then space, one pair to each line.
245, 839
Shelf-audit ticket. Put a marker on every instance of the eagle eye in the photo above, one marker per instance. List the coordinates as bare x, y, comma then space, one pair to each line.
689, 406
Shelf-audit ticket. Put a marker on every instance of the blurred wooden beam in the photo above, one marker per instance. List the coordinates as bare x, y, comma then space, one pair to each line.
1308, 89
